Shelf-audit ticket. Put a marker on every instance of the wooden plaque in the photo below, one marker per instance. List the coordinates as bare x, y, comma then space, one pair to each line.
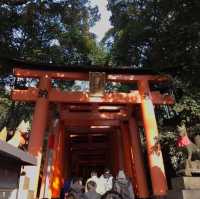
97, 83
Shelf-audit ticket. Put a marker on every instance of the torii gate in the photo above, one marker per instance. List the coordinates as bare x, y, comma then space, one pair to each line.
123, 120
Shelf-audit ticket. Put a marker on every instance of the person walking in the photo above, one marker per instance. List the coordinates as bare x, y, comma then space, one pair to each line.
94, 178
69, 196
77, 188
91, 193
105, 182
123, 186
65, 188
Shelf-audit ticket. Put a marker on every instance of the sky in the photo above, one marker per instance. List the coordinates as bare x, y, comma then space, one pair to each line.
103, 25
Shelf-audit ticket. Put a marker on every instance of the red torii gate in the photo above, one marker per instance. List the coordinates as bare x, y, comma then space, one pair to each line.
133, 161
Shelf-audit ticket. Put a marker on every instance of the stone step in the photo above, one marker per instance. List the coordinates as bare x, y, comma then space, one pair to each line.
184, 194
186, 183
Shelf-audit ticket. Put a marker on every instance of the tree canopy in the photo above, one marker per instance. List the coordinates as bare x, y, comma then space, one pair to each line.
48, 31
51, 31
160, 34
156, 33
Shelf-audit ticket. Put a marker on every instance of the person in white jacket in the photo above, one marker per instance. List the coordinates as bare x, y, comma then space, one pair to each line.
94, 178
105, 182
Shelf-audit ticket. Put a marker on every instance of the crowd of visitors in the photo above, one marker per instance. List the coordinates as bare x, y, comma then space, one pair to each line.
103, 187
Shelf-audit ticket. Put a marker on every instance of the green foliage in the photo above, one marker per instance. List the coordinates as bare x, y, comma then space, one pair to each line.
99, 55
155, 33
162, 34
5, 103
12, 113
47, 31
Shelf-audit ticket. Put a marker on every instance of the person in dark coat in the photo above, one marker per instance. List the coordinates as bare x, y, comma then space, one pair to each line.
91, 194
77, 188
65, 188
123, 186
69, 196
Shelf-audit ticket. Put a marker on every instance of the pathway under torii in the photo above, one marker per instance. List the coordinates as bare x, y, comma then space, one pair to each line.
93, 132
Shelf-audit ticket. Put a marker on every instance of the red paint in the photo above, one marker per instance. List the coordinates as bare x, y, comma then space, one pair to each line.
183, 141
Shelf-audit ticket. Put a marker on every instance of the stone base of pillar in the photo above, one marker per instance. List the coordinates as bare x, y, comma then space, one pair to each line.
186, 183
8, 193
185, 188
28, 182
184, 194
26, 195
24, 191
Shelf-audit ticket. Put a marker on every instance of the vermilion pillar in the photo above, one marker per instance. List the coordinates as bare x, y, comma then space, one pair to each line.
39, 118
136, 153
157, 172
54, 182
120, 149
115, 153
45, 190
126, 149
58, 162
67, 156
37, 133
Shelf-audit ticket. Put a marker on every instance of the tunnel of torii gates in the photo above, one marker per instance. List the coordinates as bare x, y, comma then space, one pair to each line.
113, 115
